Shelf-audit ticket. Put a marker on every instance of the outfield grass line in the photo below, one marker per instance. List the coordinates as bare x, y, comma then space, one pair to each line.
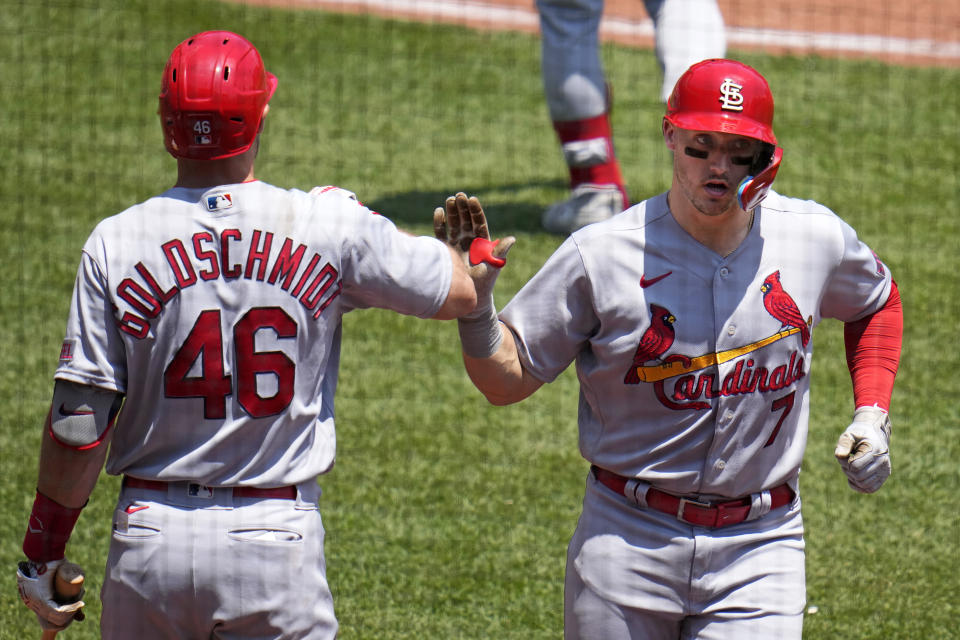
452, 10
854, 43
526, 19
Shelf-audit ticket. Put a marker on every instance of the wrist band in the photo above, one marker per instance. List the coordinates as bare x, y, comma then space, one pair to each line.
48, 530
480, 337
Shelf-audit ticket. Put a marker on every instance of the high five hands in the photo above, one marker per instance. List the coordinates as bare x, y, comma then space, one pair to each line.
462, 225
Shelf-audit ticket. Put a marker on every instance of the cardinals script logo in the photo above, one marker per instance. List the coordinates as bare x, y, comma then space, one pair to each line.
696, 377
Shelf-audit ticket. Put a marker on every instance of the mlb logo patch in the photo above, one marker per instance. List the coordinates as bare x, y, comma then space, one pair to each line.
66, 351
219, 202
195, 490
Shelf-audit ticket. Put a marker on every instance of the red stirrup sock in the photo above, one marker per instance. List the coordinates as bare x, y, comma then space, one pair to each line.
588, 150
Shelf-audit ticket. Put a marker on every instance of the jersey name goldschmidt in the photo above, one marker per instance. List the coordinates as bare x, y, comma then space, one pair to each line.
218, 314
694, 368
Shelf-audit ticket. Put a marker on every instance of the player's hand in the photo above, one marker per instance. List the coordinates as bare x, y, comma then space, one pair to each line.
462, 225
35, 582
863, 450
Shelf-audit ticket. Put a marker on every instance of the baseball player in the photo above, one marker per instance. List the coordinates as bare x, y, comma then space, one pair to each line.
689, 318
579, 101
213, 313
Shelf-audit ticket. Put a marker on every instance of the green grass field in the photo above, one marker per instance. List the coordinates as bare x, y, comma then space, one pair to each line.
448, 518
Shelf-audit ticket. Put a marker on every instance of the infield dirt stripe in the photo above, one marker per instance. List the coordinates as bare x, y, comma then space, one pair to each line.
918, 32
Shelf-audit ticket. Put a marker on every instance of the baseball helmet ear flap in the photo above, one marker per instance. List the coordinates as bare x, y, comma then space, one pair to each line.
753, 189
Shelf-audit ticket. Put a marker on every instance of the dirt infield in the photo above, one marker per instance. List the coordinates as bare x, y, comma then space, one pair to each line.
914, 32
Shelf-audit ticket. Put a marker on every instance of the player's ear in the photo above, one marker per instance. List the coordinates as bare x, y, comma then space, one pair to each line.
669, 135
266, 109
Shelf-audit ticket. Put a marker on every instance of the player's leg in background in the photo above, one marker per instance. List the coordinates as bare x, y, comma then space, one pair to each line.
687, 31
579, 106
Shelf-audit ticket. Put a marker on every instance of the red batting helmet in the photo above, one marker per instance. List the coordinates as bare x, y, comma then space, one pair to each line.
723, 96
212, 97
726, 96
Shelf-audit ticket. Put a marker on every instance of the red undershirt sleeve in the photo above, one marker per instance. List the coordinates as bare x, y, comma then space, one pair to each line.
873, 352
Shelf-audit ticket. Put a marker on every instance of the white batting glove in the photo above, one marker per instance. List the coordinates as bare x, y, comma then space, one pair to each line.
863, 450
35, 582
462, 225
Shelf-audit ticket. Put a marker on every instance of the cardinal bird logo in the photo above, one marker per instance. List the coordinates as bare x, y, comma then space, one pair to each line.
781, 306
654, 343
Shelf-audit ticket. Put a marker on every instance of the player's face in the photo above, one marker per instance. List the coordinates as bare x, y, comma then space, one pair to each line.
708, 167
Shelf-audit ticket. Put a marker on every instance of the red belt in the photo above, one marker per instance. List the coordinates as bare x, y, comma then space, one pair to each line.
286, 493
701, 514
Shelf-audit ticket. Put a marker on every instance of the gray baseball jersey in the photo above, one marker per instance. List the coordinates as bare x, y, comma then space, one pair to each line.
218, 314
694, 368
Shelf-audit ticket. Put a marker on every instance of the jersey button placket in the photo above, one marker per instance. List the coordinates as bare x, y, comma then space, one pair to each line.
715, 462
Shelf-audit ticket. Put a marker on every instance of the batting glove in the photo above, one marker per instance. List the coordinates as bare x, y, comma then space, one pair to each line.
863, 450
462, 225
35, 582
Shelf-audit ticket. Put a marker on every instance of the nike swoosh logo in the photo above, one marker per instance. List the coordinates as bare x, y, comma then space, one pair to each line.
76, 412
644, 283
134, 508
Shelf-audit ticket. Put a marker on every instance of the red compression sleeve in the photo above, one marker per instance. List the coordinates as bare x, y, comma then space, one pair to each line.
49, 528
873, 352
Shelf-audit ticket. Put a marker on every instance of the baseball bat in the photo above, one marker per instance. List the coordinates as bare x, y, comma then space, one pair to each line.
67, 584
